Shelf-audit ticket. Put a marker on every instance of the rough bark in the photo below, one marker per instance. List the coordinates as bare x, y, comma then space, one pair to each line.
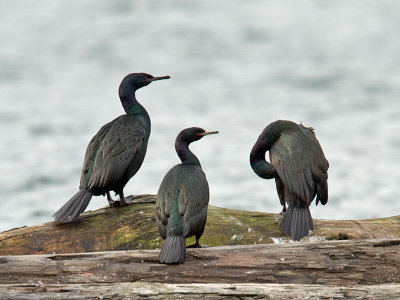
134, 227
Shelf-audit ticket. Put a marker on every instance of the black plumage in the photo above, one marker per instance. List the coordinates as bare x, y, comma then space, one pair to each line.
300, 169
115, 153
182, 200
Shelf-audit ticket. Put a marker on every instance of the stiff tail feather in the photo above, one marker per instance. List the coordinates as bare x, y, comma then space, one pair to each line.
74, 207
173, 250
297, 222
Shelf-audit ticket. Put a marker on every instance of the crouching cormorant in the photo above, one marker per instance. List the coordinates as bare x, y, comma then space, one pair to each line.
300, 169
115, 153
182, 200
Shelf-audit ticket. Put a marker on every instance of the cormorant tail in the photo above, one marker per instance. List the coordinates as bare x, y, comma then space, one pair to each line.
173, 250
74, 207
297, 222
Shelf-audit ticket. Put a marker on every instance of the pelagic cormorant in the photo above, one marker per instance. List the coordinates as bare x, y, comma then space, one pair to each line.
182, 200
299, 167
115, 153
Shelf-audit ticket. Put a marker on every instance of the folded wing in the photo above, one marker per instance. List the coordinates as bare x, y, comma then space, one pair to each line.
111, 152
301, 165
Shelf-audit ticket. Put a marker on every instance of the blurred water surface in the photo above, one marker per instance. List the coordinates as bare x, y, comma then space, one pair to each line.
235, 65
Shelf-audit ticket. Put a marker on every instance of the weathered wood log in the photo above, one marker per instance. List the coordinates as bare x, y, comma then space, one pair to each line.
352, 269
357, 269
134, 227
145, 290
351, 262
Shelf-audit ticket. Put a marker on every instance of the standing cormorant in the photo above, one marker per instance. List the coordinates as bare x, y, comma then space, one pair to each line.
115, 153
182, 200
299, 167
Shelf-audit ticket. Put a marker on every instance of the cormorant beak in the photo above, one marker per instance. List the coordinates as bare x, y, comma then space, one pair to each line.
207, 133
158, 78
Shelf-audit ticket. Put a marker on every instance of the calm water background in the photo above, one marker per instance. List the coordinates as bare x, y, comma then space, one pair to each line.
235, 65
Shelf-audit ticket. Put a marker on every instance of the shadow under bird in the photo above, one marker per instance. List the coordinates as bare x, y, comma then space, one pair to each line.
300, 169
115, 153
182, 200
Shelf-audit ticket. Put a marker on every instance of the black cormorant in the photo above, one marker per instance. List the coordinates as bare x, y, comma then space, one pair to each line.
299, 167
115, 153
182, 200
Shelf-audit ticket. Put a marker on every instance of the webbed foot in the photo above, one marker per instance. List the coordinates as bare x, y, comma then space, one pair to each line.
118, 203
195, 245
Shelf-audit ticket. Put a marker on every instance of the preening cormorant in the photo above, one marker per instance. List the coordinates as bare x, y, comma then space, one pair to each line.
300, 169
115, 153
182, 200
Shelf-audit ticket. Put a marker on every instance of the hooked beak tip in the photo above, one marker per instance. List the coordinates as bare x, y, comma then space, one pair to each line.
207, 133
159, 78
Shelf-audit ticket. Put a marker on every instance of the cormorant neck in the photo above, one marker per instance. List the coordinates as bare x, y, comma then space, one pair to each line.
257, 159
186, 156
129, 101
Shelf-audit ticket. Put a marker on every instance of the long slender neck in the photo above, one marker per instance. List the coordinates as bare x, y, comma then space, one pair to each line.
185, 155
257, 157
129, 102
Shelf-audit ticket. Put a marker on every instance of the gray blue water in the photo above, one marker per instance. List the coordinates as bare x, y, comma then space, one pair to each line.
235, 67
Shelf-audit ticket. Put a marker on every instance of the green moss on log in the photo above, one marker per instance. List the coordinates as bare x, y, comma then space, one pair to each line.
134, 227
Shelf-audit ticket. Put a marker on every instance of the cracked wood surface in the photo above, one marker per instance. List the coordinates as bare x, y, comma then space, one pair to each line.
324, 265
138, 290
134, 227
355, 262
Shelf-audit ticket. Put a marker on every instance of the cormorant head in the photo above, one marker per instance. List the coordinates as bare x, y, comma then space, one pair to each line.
193, 134
138, 80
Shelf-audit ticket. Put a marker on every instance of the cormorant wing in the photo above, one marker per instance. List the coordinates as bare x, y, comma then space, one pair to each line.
187, 185
90, 155
300, 163
193, 202
168, 192
116, 150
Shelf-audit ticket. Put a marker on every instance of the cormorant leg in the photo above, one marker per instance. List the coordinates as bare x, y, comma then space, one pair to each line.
280, 188
283, 209
116, 203
122, 199
195, 245
111, 202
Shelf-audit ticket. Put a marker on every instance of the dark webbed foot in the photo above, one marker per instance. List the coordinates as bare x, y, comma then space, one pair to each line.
115, 203
195, 245
123, 202
118, 203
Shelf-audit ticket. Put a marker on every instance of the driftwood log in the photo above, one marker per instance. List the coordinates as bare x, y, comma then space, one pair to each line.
143, 290
344, 269
340, 260
134, 227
